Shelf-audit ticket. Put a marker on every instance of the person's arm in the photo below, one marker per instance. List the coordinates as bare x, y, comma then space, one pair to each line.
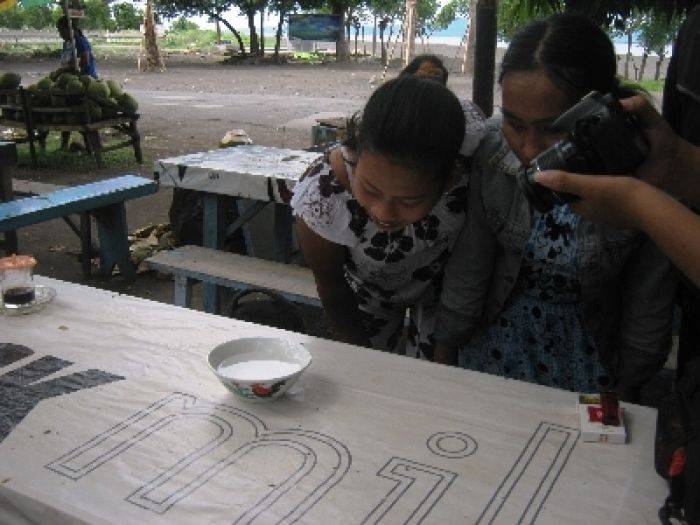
630, 203
673, 163
647, 296
326, 259
467, 279
83, 51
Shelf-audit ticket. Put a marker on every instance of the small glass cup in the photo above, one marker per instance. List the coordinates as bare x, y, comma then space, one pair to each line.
17, 281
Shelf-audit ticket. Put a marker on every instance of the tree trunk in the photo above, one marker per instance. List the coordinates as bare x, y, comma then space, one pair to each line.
659, 62
383, 48
374, 37
262, 31
278, 34
233, 30
629, 55
485, 56
254, 48
150, 42
409, 36
218, 30
469, 60
341, 46
643, 65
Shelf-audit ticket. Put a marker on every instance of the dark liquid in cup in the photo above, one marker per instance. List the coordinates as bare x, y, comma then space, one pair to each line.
18, 295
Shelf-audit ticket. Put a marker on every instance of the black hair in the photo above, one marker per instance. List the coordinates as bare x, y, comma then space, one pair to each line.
415, 64
62, 25
415, 122
576, 55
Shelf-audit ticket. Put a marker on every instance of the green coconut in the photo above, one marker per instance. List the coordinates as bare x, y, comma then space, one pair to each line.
65, 78
58, 100
95, 110
98, 90
115, 90
45, 84
85, 80
128, 104
10, 81
110, 109
74, 88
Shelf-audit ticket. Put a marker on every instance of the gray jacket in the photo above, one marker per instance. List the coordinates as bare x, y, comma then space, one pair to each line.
627, 285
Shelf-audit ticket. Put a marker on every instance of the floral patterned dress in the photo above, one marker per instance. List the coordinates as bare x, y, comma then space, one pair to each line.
389, 272
539, 336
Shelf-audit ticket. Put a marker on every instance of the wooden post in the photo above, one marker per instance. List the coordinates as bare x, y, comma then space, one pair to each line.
74, 53
262, 31
410, 34
484, 55
468, 65
8, 161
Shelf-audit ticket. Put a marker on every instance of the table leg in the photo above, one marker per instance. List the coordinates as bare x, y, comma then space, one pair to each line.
247, 209
214, 219
282, 241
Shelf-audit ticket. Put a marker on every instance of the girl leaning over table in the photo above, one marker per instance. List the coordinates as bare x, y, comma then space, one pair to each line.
550, 297
378, 216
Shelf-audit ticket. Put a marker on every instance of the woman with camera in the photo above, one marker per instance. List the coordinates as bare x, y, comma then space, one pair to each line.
551, 297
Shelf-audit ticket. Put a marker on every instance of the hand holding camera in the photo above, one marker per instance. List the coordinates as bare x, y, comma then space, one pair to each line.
601, 138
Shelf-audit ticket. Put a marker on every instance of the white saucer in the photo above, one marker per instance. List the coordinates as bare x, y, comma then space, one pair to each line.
43, 295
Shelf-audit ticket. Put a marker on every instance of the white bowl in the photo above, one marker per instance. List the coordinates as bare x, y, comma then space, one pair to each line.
259, 369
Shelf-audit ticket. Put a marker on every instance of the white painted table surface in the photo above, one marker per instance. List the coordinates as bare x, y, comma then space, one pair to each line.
252, 172
367, 437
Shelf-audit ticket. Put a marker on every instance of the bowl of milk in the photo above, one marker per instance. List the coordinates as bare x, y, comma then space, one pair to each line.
259, 369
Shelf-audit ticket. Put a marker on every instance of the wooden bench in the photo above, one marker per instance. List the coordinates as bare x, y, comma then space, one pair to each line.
188, 264
103, 200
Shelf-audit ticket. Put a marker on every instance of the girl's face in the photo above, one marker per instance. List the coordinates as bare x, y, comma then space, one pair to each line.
530, 104
392, 195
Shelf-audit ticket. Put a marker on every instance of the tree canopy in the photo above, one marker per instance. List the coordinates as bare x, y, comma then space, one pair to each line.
608, 11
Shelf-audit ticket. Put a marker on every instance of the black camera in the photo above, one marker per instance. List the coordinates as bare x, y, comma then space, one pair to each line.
600, 139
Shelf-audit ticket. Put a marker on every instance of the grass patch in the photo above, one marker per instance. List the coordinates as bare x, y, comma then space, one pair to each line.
308, 58
204, 39
55, 158
653, 86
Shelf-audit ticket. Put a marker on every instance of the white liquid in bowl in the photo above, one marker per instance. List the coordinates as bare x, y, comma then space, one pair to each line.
257, 370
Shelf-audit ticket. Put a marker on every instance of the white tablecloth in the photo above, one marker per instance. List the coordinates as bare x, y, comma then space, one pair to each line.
110, 414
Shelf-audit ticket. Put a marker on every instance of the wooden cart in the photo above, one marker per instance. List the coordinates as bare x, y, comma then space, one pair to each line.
17, 111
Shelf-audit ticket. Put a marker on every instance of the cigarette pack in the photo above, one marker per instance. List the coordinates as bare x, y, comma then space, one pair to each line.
601, 420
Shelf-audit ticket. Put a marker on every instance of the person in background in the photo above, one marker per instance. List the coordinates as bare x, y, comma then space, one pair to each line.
86, 60
377, 217
551, 297
681, 108
431, 67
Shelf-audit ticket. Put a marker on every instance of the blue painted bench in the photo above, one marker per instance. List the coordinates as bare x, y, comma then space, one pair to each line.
103, 200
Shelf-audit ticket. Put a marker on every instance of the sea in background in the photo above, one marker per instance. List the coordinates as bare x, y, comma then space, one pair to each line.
454, 33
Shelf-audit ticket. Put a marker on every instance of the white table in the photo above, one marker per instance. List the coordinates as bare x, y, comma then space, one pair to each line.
367, 437
259, 175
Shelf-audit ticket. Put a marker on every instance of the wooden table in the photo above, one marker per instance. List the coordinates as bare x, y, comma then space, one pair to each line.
109, 414
258, 175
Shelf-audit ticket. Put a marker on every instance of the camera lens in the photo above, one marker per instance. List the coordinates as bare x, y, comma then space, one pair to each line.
557, 157
537, 195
